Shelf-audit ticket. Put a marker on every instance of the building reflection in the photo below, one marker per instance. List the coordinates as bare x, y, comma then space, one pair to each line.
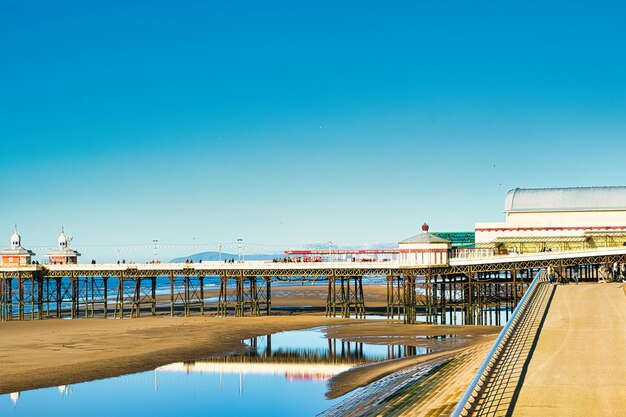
65, 390
307, 364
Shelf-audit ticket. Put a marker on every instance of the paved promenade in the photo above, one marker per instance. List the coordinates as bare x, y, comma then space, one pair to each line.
579, 365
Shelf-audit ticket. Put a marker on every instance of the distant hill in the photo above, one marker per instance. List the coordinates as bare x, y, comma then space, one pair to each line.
215, 256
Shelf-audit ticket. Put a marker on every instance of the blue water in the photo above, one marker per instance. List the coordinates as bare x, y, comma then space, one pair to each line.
242, 385
170, 394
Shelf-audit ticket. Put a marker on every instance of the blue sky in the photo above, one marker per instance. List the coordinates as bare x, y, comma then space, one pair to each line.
285, 123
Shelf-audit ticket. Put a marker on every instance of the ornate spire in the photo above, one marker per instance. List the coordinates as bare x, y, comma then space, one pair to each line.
62, 238
16, 240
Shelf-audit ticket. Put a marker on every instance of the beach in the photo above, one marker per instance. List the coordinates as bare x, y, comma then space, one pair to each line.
54, 352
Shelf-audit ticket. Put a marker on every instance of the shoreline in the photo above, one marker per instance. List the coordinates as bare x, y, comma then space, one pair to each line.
57, 352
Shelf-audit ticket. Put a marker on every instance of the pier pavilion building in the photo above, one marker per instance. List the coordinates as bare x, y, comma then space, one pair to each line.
424, 249
556, 219
63, 254
15, 254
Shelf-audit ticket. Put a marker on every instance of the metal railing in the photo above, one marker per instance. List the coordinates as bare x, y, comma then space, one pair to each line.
464, 254
474, 387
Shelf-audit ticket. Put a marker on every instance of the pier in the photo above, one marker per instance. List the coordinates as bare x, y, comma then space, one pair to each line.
470, 286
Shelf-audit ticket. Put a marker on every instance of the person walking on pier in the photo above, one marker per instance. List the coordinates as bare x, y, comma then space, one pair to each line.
551, 274
575, 273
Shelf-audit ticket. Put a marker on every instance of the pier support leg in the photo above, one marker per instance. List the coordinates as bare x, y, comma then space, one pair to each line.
221, 301
186, 297
105, 296
119, 301
153, 296
92, 297
201, 283
268, 300
239, 296
86, 297
40, 311
136, 306
2, 299
410, 295
172, 278
10, 299
331, 296
20, 313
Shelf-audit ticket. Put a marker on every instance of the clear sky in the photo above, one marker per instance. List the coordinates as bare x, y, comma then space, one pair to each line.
285, 122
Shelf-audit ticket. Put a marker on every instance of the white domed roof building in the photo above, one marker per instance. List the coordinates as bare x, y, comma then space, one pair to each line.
557, 219
63, 254
16, 255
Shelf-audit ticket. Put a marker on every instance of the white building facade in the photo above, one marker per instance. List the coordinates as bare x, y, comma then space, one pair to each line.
557, 219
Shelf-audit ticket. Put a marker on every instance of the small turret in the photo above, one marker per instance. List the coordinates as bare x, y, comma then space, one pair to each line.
15, 254
63, 254
16, 239
63, 239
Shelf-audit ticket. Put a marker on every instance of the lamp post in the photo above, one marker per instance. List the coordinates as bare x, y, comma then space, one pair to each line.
156, 257
239, 247
330, 259
219, 248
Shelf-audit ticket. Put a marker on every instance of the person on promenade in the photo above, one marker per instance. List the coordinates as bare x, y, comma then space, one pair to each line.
575, 273
550, 274
622, 270
615, 270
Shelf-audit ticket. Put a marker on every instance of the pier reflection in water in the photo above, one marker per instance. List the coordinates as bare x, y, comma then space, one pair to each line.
283, 374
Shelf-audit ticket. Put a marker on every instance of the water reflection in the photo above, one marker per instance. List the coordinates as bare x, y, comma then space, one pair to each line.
280, 374
311, 346
299, 355
486, 316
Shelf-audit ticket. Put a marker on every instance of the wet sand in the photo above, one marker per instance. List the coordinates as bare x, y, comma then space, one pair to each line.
307, 295
456, 339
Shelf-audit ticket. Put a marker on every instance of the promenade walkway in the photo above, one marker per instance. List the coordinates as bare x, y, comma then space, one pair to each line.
578, 367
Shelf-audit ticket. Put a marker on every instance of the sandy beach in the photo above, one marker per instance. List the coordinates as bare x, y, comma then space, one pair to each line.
37, 354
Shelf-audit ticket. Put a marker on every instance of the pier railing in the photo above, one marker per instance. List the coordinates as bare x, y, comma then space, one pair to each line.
476, 387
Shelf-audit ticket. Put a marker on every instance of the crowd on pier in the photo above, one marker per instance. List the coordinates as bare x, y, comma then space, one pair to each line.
615, 273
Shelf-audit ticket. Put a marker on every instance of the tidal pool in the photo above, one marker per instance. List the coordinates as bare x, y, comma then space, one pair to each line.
284, 374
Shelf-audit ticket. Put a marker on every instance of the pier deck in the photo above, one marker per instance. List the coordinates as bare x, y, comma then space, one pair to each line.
578, 365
